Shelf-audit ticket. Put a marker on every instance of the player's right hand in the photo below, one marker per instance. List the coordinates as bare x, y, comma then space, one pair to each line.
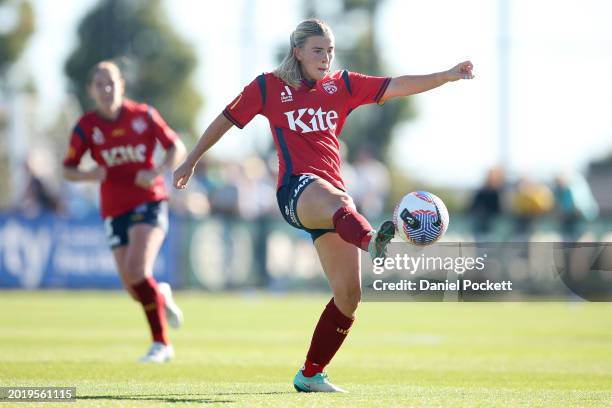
182, 174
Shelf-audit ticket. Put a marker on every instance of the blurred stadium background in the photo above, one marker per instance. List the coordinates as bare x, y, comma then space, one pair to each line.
225, 226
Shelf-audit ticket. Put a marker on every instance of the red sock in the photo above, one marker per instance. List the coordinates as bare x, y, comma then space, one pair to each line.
352, 227
328, 336
153, 304
311, 369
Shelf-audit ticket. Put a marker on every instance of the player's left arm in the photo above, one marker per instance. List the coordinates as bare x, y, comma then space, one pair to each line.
413, 84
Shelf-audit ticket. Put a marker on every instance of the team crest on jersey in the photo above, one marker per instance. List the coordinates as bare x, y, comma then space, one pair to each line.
139, 125
330, 87
286, 95
97, 136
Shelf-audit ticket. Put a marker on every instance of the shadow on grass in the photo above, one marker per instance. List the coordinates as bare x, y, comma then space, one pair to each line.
178, 398
159, 398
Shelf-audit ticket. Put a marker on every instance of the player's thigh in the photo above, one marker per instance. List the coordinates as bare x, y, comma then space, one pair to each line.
341, 264
144, 242
318, 203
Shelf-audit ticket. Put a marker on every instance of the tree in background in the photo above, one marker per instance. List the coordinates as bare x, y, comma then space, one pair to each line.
157, 64
353, 21
14, 37
18, 26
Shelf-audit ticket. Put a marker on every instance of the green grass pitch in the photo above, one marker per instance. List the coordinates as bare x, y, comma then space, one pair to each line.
243, 350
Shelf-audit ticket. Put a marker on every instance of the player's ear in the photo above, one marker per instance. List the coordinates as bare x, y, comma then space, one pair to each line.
90, 90
122, 84
297, 53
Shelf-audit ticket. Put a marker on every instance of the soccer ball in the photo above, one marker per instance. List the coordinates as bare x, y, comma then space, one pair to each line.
420, 218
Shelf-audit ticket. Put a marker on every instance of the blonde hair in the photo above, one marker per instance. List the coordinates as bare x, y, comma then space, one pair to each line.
289, 70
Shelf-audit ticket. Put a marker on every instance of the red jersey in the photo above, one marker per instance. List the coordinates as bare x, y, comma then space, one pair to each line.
123, 146
306, 122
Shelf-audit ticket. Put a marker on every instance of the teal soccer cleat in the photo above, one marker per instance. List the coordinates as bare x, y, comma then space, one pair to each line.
317, 383
380, 239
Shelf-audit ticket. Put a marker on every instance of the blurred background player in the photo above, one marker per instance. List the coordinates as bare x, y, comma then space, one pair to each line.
486, 207
121, 136
307, 104
574, 205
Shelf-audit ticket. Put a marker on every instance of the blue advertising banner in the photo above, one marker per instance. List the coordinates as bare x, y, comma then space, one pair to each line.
55, 252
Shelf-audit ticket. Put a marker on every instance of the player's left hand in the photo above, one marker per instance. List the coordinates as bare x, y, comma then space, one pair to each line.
145, 178
460, 71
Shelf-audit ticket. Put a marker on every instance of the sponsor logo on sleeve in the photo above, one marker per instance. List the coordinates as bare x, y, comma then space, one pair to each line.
235, 102
286, 95
97, 136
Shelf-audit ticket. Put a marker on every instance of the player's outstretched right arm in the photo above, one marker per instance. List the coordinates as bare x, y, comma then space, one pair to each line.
211, 135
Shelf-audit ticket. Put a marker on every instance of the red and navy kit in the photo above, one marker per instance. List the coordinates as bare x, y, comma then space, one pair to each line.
123, 146
306, 122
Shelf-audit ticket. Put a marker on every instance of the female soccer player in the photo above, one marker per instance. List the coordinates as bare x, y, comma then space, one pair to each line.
121, 136
306, 105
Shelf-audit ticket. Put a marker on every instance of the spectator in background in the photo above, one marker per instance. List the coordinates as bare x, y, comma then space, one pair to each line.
224, 185
192, 202
486, 206
256, 189
530, 201
574, 204
40, 196
372, 184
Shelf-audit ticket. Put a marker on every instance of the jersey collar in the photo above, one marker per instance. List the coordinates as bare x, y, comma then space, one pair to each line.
308, 84
105, 119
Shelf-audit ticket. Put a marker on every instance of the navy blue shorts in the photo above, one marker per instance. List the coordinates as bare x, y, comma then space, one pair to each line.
154, 213
288, 196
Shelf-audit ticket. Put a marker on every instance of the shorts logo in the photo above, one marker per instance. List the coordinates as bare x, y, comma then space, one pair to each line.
97, 136
139, 125
141, 209
286, 96
302, 182
291, 213
330, 87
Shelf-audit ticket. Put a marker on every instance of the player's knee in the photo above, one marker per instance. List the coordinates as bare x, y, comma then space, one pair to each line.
348, 299
135, 270
337, 201
345, 200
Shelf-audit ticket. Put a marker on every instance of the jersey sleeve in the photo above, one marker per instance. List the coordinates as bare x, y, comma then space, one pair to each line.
162, 132
77, 147
364, 89
246, 105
